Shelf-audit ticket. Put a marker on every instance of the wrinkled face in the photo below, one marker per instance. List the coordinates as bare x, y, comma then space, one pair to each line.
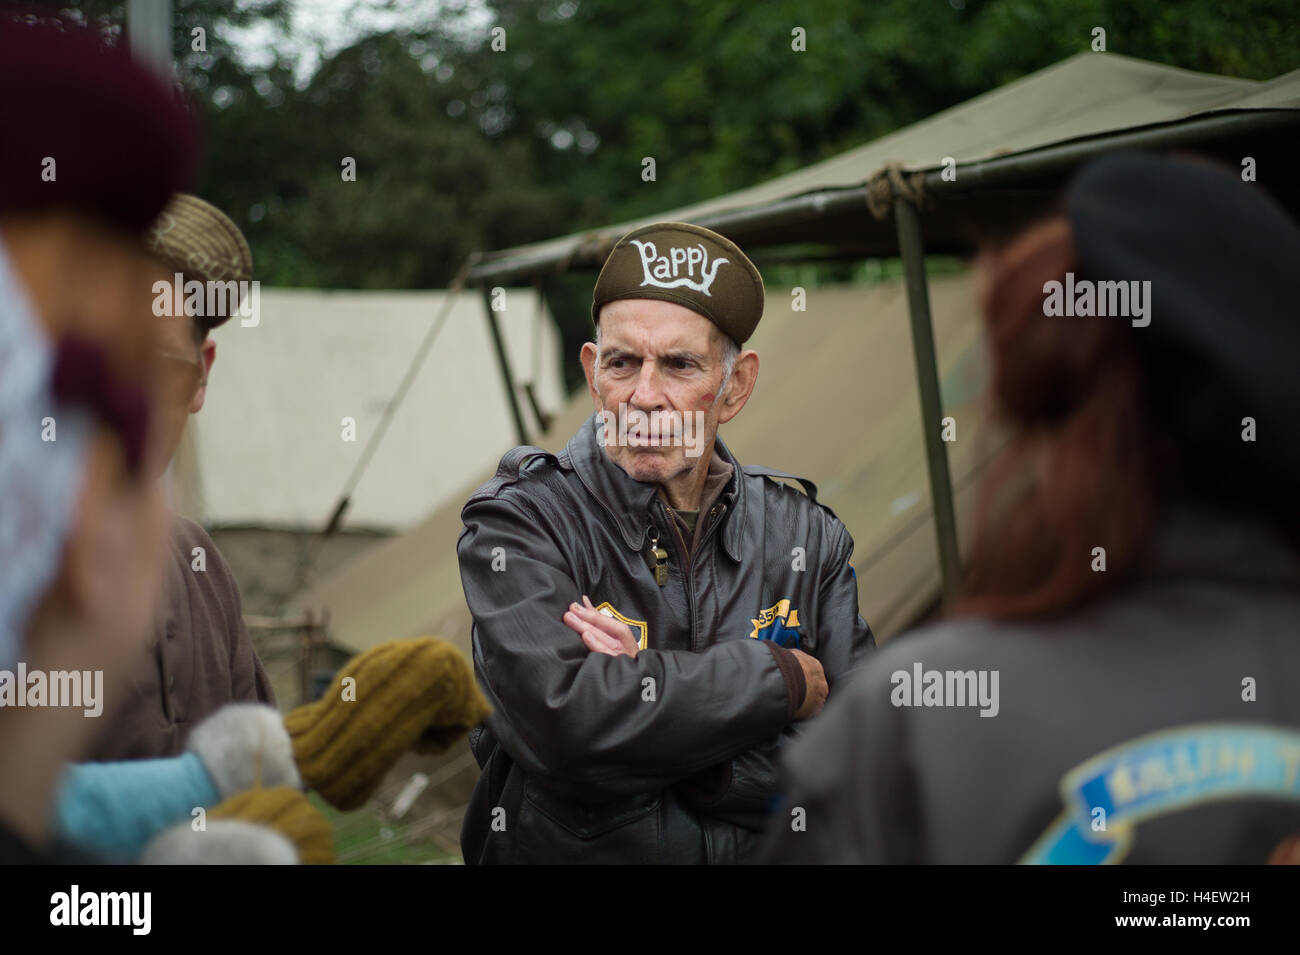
657, 357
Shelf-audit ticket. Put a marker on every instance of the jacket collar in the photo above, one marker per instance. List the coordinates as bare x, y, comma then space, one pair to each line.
627, 501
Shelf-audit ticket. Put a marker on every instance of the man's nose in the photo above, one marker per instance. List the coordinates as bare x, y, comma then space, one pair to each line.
649, 394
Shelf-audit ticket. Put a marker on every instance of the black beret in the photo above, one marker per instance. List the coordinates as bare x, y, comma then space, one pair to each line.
119, 136
1223, 337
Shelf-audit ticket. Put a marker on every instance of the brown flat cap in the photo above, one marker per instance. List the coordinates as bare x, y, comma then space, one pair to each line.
200, 241
690, 266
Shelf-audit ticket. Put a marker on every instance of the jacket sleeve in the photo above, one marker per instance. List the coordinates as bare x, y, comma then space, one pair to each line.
844, 641
848, 793
610, 724
743, 789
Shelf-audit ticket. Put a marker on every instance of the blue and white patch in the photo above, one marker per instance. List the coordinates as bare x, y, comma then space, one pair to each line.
1164, 772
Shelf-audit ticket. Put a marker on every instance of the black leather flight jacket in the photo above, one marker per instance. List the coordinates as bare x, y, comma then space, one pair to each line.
671, 756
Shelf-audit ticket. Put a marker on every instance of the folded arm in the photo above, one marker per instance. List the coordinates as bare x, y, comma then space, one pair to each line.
610, 723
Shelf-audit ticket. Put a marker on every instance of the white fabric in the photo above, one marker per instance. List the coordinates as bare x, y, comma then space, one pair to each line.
244, 745
39, 480
268, 448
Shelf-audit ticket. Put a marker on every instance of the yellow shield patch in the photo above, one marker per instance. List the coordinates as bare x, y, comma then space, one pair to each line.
638, 627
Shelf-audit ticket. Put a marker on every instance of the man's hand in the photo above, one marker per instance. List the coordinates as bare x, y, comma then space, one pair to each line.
815, 679
601, 633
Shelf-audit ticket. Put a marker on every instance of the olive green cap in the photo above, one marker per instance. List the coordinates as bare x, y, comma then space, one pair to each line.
689, 266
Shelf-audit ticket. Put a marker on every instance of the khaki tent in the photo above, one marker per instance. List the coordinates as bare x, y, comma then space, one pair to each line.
1009, 137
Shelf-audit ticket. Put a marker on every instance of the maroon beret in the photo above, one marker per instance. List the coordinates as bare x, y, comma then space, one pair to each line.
121, 140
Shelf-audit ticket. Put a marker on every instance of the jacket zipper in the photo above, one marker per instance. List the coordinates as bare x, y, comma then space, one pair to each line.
688, 568
688, 576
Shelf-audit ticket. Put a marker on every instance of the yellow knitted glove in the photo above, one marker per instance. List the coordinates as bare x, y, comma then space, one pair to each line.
288, 812
417, 693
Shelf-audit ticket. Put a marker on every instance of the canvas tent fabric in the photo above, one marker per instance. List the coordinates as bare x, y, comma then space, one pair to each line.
839, 407
1085, 96
269, 450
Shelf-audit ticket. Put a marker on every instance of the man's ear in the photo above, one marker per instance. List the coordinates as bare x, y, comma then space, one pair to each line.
207, 354
744, 375
588, 358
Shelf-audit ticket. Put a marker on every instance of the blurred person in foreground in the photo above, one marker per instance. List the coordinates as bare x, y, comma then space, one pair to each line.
81, 518
200, 656
653, 622
1118, 681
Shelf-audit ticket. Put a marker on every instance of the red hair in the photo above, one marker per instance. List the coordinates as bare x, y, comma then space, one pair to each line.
1085, 463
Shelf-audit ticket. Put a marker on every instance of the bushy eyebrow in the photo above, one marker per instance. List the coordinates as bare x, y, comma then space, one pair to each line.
613, 354
691, 357
684, 355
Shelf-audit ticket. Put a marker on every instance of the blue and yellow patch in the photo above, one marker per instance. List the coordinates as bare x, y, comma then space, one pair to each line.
778, 623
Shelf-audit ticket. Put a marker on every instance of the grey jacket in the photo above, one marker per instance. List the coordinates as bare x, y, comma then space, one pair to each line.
672, 756
200, 659
1155, 725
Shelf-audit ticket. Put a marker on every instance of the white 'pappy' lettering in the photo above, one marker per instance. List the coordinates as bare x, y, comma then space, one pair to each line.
662, 270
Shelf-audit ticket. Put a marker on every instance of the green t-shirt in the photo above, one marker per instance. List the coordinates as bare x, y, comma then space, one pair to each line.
690, 518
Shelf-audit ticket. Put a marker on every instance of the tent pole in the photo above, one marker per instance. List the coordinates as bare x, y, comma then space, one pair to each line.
911, 246
544, 420
504, 362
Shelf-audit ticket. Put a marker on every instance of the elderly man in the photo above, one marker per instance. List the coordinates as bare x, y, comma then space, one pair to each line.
200, 657
652, 622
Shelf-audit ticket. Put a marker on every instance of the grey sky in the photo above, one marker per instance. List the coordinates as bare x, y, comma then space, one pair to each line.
323, 27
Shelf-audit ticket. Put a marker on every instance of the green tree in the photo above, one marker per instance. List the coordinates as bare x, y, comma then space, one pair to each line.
463, 143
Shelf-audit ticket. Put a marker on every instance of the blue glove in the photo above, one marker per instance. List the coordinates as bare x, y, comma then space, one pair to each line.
116, 808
